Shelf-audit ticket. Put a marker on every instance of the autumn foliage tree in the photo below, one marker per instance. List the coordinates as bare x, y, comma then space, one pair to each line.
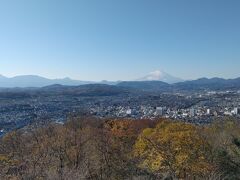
173, 148
116, 149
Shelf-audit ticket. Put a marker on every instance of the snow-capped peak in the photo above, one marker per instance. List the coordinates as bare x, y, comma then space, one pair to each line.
160, 76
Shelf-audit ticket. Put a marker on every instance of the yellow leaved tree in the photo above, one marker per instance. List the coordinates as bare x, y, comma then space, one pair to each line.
174, 148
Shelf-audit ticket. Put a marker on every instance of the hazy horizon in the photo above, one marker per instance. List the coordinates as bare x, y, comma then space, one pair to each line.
120, 40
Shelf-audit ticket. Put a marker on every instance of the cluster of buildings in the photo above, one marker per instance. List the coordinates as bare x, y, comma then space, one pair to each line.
195, 107
193, 114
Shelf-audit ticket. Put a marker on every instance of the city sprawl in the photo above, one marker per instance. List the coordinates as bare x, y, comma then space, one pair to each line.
21, 107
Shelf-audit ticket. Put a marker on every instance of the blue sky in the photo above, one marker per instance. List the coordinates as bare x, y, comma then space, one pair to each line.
120, 39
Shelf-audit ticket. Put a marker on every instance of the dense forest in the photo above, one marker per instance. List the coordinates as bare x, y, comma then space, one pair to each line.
88, 148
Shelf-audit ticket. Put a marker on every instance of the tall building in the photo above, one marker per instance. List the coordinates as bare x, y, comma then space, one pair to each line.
159, 111
236, 110
208, 111
192, 112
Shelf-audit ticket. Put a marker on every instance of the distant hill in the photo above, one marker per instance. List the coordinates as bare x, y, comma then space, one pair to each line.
145, 85
37, 81
210, 84
87, 90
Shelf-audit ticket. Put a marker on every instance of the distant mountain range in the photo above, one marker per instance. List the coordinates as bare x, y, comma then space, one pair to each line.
199, 84
155, 81
38, 81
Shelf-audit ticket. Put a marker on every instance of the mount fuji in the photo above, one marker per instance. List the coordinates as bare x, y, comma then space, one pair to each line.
161, 76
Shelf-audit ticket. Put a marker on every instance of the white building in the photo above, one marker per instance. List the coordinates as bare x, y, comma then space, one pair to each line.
236, 111
192, 112
159, 111
208, 111
129, 112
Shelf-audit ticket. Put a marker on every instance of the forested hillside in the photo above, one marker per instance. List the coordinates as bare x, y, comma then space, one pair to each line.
88, 148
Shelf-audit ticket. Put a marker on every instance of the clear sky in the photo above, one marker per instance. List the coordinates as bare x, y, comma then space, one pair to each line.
120, 39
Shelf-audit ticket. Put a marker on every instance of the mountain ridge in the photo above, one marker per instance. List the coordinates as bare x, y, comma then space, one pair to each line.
37, 81
26, 81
